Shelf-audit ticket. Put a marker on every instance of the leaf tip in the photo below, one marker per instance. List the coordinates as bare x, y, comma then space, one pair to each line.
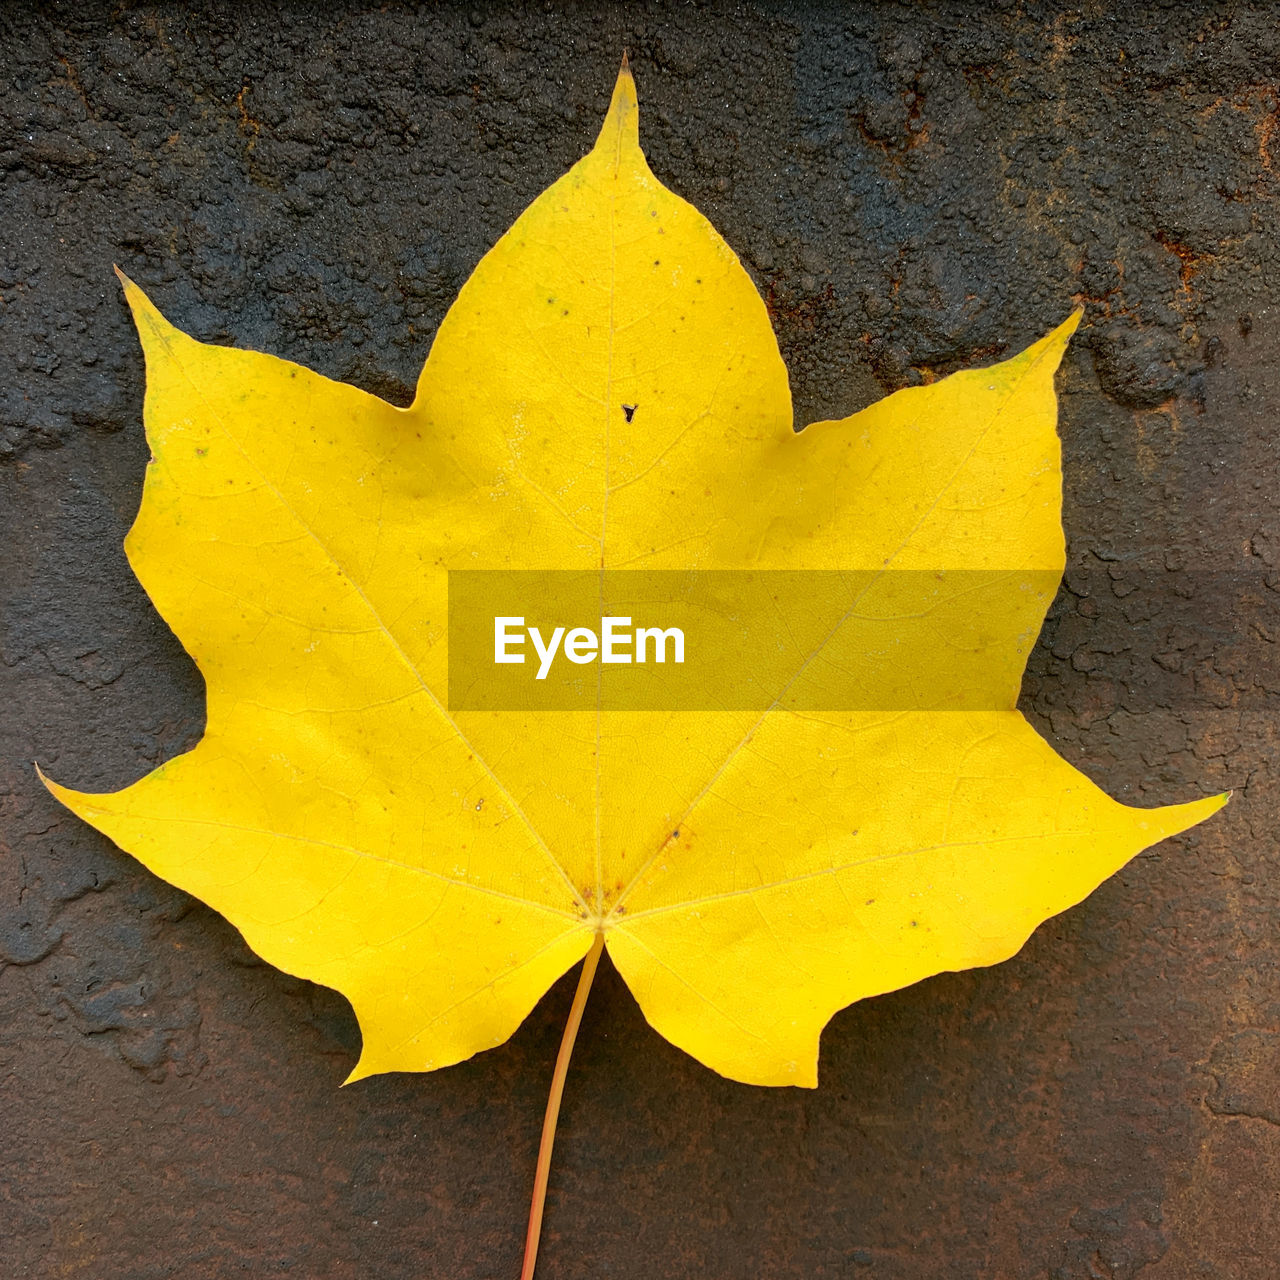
621, 128
1046, 354
147, 318
368, 1063
63, 795
49, 785
1211, 804
1172, 820
1057, 338
359, 1072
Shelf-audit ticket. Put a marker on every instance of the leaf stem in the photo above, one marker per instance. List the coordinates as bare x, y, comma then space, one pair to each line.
585, 978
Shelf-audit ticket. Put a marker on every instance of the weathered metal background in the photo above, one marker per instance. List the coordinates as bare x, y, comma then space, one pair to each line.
914, 188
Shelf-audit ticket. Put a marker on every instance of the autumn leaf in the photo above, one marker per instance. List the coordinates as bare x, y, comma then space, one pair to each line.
606, 394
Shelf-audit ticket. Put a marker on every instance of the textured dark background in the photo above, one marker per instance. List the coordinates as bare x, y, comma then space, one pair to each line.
913, 189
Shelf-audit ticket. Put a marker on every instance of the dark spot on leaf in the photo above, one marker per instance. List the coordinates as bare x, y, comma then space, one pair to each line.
629, 410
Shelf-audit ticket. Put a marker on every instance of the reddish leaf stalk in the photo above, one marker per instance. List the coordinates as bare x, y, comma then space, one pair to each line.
585, 979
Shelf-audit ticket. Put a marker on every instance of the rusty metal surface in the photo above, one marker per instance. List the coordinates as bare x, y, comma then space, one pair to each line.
913, 188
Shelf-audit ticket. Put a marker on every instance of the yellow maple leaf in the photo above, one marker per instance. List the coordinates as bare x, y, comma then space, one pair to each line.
606, 394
